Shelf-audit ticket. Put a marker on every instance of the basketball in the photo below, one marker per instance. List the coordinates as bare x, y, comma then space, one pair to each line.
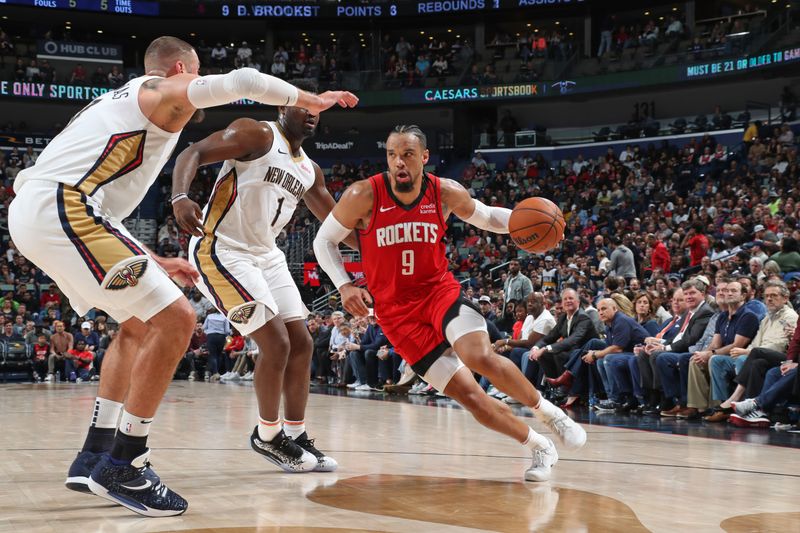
536, 225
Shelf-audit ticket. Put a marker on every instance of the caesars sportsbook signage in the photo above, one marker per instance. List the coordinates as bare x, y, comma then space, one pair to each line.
685, 73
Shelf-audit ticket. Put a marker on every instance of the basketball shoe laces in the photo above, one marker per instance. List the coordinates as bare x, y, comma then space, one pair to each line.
159, 488
558, 424
308, 445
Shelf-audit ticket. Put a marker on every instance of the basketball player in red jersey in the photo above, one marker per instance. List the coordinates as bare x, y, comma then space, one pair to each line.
400, 218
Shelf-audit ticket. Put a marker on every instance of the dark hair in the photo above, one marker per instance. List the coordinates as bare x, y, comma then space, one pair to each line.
411, 129
308, 85
789, 244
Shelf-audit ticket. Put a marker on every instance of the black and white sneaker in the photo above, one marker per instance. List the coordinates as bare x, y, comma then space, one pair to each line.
284, 452
80, 470
324, 462
135, 486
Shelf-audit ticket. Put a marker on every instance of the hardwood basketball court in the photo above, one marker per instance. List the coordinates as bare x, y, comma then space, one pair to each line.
403, 467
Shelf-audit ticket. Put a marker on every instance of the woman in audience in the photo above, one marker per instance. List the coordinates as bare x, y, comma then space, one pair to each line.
645, 312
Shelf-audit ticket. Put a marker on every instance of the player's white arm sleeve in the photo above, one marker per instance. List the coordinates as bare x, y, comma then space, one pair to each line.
220, 89
494, 219
326, 248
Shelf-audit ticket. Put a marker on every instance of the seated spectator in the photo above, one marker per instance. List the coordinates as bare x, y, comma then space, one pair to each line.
90, 338
622, 334
675, 28
422, 67
197, 354
278, 68
573, 329
234, 345
78, 76
778, 386
788, 259
78, 363
245, 361
672, 359
243, 55
735, 328
320, 330
99, 77
363, 356
115, 77
47, 73
767, 350
538, 323
219, 56
41, 351
32, 72
645, 313
440, 66
20, 70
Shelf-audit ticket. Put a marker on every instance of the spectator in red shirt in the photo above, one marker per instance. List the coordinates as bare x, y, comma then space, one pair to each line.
234, 344
79, 360
698, 244
197, 351
51, 295
660, 257
41, 350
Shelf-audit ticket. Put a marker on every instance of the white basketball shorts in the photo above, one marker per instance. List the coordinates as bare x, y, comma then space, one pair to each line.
250, 289
92, 258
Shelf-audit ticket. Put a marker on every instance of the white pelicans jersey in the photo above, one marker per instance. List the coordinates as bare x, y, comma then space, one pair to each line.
253, 200
109, 151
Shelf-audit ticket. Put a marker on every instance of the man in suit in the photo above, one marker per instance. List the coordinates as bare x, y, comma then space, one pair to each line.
673, 361
573, 329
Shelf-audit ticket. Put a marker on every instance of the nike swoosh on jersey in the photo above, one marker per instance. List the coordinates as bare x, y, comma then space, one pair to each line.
147, 484
282, 152
384, 209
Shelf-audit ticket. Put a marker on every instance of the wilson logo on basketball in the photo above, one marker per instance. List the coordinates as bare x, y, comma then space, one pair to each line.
525, 240
128, 276
243, 314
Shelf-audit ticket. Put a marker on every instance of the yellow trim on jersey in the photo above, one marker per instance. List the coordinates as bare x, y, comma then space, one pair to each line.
100, 244
122, 154
227, 291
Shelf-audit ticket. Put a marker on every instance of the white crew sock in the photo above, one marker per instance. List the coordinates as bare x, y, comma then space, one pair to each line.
545, 409
268, 430
106, 414
536, 441
135, 426
294, 428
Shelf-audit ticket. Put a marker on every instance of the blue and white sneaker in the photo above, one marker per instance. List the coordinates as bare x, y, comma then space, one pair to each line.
325, 463
135, 486
80, 470
282, 451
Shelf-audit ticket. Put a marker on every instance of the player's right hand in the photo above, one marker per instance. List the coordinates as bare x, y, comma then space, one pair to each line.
329, 99
355, 300
187, 215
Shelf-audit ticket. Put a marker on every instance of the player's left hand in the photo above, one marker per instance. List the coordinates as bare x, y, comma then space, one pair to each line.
180, 270
329, 99
355, 300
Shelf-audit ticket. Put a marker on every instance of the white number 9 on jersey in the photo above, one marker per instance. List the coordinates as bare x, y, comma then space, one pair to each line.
408, 262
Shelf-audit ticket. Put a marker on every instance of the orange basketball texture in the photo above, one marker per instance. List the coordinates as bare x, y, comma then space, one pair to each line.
537, 225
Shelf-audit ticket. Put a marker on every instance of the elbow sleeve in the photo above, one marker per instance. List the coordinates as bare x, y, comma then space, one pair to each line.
326, 249
220, 89
494, 219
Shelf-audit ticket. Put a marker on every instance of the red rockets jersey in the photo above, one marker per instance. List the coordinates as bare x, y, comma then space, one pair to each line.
402, 252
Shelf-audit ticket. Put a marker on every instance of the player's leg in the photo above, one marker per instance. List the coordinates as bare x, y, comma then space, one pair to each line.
269, 438
449, 375
296, 376
113, 388
465, 329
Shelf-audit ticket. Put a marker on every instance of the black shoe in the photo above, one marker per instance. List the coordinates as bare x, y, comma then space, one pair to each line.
80, 470
608, 406
652, 410
284, 452
135, 486
324, 462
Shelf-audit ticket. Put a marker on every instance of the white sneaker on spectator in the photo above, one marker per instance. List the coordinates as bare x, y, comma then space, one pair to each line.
192, 375
745, 407
95, 377
354, 385
214, 377
50, 378
248, 377
364, 387
207, 376
235, 376
79, 380
542, 464
418, 388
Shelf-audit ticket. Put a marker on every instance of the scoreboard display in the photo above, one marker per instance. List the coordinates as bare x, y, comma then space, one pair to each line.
323, 9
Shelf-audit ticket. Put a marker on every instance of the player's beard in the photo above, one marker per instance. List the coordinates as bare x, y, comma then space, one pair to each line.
404, 186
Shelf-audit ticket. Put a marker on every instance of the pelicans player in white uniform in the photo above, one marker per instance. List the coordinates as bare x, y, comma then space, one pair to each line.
264, 176
66, 218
